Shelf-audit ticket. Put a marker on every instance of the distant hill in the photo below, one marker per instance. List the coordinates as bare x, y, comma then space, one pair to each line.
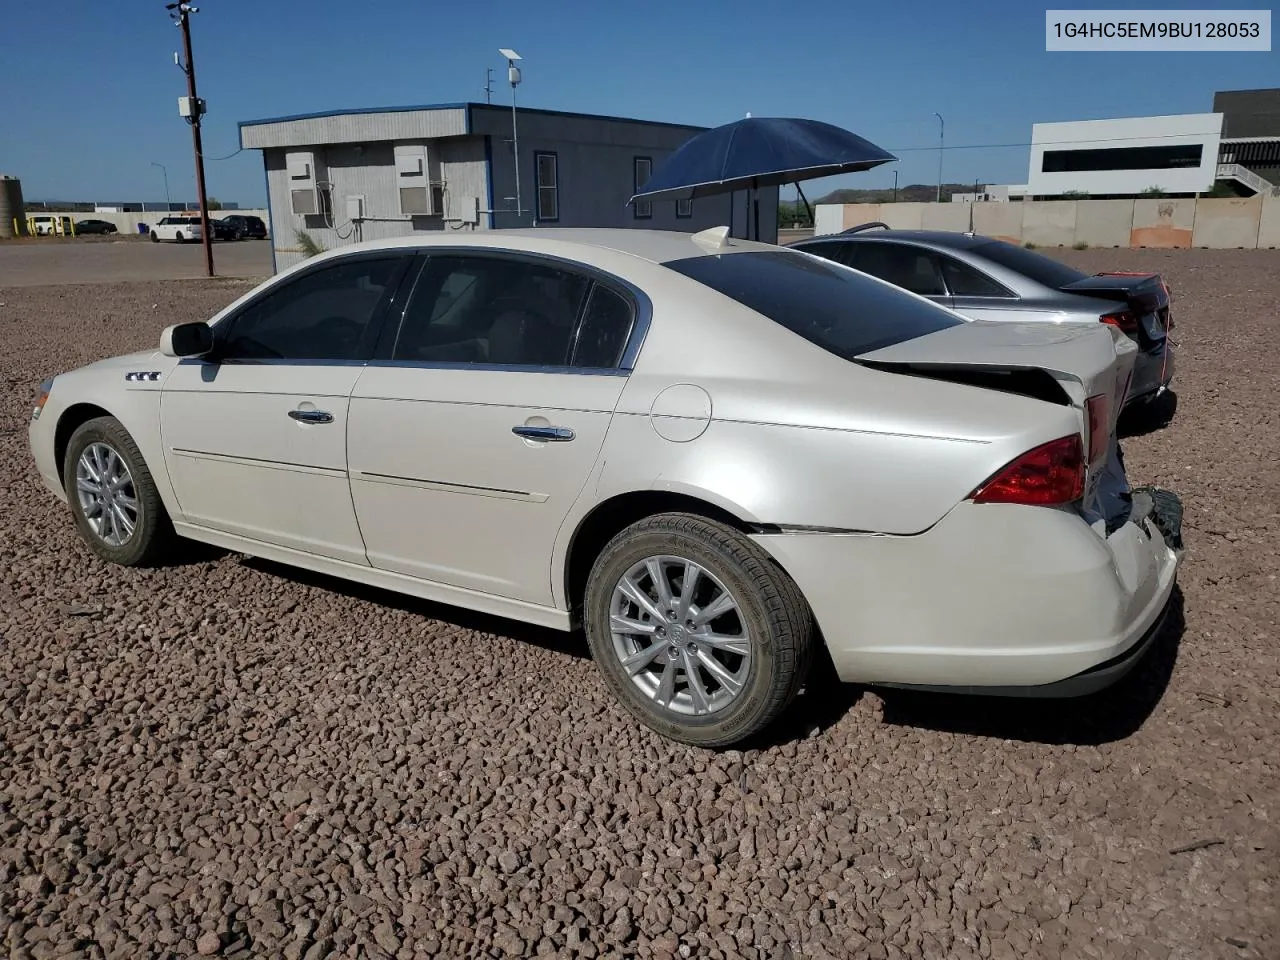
915, 192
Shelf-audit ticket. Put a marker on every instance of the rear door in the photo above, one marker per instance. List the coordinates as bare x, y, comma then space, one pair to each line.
476, 430
977, 294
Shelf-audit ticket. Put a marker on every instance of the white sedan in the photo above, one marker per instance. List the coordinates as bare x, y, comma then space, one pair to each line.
716, 456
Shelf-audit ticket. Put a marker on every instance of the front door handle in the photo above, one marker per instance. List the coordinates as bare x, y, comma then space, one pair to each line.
557, 434
311, 416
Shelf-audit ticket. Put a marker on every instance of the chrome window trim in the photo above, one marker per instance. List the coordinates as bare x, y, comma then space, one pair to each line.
500, 367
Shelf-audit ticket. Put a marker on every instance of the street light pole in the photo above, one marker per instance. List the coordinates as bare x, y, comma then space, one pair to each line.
168, 204
513, 75
942, 127
180, 13
895, 186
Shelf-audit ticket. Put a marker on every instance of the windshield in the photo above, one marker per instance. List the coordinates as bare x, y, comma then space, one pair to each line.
841, 310
1033, 265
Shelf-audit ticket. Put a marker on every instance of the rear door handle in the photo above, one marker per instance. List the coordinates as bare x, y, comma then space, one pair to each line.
311, 416
556, 434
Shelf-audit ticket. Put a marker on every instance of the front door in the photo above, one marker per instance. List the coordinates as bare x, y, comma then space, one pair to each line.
472, 439
255, 437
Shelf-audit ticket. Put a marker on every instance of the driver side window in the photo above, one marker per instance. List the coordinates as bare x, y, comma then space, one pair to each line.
323, 315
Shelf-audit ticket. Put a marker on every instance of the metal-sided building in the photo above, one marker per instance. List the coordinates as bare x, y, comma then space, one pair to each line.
344, 176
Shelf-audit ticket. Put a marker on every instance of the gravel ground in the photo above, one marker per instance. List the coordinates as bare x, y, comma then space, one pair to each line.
232, 758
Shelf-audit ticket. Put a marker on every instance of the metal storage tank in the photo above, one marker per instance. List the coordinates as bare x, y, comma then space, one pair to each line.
11, 206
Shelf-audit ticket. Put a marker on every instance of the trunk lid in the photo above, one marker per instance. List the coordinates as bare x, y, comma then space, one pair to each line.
1083, 360
1145, 294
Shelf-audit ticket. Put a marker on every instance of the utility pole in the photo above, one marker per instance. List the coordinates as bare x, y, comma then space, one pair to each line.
180, 13
488, 84
895, 186
942, 129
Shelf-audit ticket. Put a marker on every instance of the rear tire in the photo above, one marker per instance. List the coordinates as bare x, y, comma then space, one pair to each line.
154, 238
711, 665
113, 497
179, 237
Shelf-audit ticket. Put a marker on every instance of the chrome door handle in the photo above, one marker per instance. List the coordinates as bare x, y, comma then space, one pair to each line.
559, 434
311, 416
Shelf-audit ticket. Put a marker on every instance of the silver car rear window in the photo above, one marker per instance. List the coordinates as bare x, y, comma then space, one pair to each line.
841, 310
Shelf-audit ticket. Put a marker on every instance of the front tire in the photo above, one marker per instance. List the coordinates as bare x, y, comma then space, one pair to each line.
114, 500
696, 630
154, 237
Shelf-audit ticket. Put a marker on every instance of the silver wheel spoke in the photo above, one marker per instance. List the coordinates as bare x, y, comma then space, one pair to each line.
641, 599
108, 530
716, 608
621, 624
129, 503
638, 661
717, 670
660, 582
667, 686
739, 645
121, 521
91, 510
87, 486
697, 691
687, 584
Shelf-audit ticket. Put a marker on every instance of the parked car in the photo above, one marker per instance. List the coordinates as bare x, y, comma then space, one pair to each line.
47, 225
179, 229
95, 226
247, 227
989, 279
222, 230
713, 454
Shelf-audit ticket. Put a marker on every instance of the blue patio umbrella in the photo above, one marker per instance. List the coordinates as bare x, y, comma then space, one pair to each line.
760, 152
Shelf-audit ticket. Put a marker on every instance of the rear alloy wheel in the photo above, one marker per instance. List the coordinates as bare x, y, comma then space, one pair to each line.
113, 497
696, 630
180, 238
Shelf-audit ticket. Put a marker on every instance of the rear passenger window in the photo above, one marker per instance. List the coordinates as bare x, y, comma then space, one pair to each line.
605, 328
965, 281
911, 268
491, 310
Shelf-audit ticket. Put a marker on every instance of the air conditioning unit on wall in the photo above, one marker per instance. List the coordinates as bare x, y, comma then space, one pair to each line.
418, 180
309, 186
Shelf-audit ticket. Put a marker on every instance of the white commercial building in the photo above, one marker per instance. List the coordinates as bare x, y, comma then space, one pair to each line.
1125, 156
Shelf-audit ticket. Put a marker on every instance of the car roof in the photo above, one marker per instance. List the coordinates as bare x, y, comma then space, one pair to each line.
937, 238
656, 246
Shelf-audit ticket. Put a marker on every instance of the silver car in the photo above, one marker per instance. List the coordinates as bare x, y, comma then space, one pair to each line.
989, 279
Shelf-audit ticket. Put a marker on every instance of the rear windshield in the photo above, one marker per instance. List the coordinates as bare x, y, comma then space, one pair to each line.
1036, 266
844, 312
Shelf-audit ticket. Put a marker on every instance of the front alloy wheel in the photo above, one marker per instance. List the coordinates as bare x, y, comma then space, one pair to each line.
108, 498
113, 498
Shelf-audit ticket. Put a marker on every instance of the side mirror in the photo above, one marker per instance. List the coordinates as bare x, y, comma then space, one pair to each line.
186, 340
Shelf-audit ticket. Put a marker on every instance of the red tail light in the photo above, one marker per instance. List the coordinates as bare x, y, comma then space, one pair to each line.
1051, 474
1097, 408
1123, 319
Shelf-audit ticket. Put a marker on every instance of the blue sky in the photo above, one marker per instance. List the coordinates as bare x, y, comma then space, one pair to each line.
88, 96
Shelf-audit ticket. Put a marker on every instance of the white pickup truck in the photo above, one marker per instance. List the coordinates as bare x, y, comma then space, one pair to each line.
180, 229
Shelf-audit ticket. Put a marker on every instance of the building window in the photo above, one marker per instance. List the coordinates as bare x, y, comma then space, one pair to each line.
684, 209
642, 170
1122, 158
548, 180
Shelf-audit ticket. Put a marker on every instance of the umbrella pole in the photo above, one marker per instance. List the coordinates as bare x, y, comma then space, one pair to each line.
807, 209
